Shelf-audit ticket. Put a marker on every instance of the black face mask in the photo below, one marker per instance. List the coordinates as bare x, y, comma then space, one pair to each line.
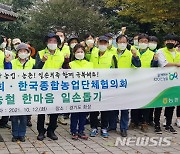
170, 45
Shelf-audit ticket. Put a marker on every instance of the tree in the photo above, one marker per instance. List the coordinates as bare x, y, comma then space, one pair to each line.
160, 16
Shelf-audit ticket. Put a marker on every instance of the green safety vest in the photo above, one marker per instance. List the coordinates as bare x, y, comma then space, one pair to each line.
16, 64
104, 61
78, 64
169, 56
54, 61
88, 54
146, 58
113, 50
125, 60
65, 50
1, 60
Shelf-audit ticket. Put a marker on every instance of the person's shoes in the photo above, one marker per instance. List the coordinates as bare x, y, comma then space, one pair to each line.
22, 139
82, 136
1, 138
41, 136
74, 136
177, 123
111, 129
52, 135
124, 133
94, 132
14, 139
61, 120
104, 133
158, 130
144, 128
29, 124
170, 129
5, 126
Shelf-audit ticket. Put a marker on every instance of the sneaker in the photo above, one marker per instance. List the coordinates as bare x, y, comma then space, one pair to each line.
14, 139
94, 132
74, 136
177, 123
170, 129
82, 136
5, 126
52, 135
158, 130
144, 128
61, 120
104, 133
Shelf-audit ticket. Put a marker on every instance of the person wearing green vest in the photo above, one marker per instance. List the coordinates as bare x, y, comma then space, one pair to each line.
104, 60
135, 42
140, 117
72, 41
78, 120
168, 57
49, 58
65, 49
125, 59
153, 43
89, 45
22, 62
111, 48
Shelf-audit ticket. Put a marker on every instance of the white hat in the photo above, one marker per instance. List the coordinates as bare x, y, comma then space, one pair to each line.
16, 40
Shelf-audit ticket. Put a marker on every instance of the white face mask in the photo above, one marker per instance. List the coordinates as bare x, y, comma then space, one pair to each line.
88, 42
3, 45
62, 39
110, 42
52, 46
102, 48
152, 46
72, 45
79, 56
122, 46
136, 42
23, 55
143, 45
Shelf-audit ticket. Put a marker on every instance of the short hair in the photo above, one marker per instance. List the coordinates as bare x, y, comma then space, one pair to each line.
170, 37
120, 37
87, 35
77, 46
141, 36
153, 38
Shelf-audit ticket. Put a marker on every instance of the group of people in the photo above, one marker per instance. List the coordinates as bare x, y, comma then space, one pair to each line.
93, 52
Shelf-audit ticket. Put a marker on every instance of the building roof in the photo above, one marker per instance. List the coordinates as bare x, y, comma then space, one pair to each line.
6, 13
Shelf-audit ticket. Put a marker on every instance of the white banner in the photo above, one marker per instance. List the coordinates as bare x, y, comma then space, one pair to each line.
61, 91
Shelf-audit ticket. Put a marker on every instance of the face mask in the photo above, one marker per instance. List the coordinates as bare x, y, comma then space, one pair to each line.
23, 55
15, 47
152, 46
122, 46
62, 39
3, 45
110, 42
102, 48
88, 42
143, 45
170, 45
79, 56
52, 46
136, 42
72, 45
